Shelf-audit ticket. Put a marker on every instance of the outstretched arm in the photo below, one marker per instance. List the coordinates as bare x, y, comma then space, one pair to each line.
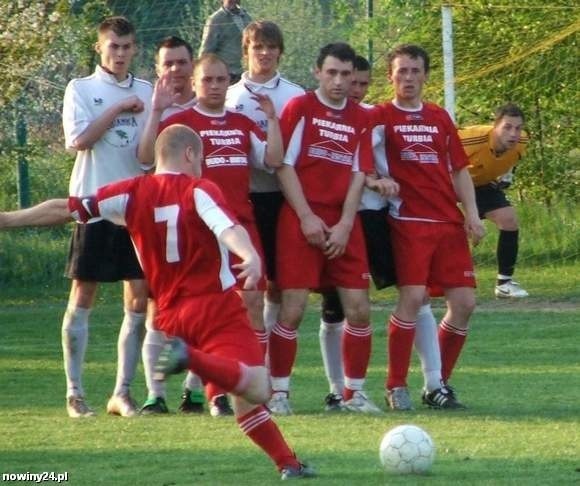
53, 212
237, 240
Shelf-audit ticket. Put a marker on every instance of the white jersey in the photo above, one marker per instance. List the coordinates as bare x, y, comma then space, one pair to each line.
371, 199
114, 156
239, 99
176, 108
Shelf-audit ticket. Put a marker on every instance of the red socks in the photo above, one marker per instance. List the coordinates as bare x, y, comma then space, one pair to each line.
356, 353
401, 337
451, 341
259, 426
283, 346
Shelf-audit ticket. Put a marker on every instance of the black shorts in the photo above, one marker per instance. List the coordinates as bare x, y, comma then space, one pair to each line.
266, 210
379, 247
102, 252
489, 198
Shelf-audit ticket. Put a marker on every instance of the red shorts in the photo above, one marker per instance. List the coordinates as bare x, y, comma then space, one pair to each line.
300, 265
431, 254
216, 324
252, 230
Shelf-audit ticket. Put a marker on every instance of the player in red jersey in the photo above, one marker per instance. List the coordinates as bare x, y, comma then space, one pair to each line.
424, 155
320, 241
373, 214
182, 231
231, 144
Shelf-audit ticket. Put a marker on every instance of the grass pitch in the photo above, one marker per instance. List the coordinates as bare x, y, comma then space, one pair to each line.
519, 375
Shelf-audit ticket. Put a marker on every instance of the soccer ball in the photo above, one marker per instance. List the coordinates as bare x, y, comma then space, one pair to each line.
407, 449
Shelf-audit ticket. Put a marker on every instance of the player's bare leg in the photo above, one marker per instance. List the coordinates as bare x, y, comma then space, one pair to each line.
272, 301
283, 346
254, 302
75, 335
356, 348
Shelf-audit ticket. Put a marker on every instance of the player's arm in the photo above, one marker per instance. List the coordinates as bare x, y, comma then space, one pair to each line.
237, 240
97, 127
340, 232
466, 196
209, 204
274, 148
386, 186
53, 212
163, 98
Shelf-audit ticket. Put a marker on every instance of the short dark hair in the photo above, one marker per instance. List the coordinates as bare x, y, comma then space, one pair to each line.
412, 50
118, 24
509, 109
265, 31
341, 50
172, 42
208, 58
361, 63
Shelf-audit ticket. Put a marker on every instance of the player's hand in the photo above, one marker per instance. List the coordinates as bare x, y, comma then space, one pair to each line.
264, 104
251, 271
385, 186
474, 228
314, 230
132, 104
337, 240
163, 94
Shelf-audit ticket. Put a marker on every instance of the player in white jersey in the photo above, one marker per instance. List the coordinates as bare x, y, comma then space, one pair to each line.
174, 66
103, 116
263, 45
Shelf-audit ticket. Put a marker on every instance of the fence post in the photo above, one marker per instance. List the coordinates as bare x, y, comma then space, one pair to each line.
21, 142
448, 75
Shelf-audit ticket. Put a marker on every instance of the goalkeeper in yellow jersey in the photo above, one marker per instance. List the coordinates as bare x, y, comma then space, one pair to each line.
494, 152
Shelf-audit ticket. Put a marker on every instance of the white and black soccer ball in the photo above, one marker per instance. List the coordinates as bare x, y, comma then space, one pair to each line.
407, 449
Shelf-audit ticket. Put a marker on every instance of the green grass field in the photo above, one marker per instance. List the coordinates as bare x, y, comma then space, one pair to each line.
519, 375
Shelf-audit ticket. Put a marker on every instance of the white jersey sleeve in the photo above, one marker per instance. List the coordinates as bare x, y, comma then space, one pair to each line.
210, 212
295, 144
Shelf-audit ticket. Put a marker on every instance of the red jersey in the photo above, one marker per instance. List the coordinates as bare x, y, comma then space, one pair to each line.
421, 148
231, 143
174, 220
325, 144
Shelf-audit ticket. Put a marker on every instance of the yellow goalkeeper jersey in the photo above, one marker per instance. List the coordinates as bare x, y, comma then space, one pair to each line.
484, 165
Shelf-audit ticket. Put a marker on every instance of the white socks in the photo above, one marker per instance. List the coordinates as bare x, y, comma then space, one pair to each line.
152, 347
192, 382
75, 335
330, 335
128, 350
427, 346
